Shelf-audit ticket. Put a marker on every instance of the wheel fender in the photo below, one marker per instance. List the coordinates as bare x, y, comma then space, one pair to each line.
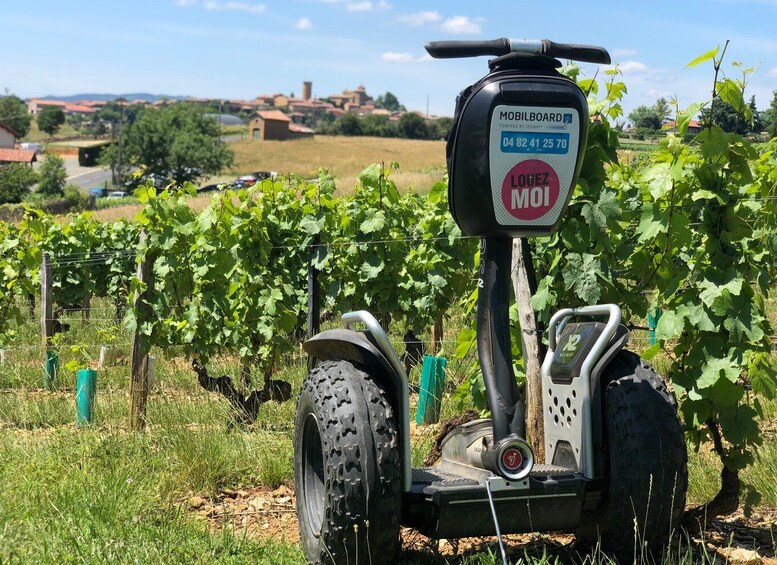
616, 345
355, 347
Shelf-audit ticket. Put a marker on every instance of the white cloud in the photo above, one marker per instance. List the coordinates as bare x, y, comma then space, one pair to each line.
623, 52
365, 6
462, 24
633, 68
236, 6
384, 5
185, 3
420, 18
659, 93
772, 72
393, 57
304, 24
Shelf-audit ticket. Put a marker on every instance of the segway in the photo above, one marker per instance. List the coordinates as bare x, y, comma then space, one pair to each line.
615, 470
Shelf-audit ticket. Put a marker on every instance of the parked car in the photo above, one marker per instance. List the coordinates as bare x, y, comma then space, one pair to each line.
98, 192
29, 146
262, 175
118, 194
212, 188
243, 181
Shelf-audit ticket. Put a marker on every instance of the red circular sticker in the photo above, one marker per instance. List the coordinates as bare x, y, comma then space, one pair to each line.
530, 189
511, 459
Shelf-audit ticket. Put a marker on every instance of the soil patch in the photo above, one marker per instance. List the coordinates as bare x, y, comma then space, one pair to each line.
266, 513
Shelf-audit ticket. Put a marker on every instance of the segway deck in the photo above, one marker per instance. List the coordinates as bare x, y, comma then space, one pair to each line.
446, 505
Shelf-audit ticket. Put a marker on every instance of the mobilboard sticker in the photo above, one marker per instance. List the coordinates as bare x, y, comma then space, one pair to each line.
533, 152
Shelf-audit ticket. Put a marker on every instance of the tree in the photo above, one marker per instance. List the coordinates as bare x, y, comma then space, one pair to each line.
770, 117
16, 179
758, 124
378, 125
53, 176
440, 128
662, 109
177, 142
50, 119
645, 117
413, 126
389, 102
349, 124
723, 114
13, 114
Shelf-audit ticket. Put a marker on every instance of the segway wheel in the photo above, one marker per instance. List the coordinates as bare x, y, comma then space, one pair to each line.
346, 468
644, 498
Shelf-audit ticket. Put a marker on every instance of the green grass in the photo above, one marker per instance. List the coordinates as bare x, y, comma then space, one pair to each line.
103, 494
66, 131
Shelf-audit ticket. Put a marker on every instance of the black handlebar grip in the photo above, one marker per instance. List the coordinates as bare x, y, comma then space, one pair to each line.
456, 49
583, 53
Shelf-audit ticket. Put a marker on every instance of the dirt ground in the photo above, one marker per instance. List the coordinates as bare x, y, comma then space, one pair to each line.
266, 513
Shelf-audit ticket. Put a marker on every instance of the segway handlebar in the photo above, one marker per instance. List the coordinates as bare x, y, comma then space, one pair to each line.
503, 46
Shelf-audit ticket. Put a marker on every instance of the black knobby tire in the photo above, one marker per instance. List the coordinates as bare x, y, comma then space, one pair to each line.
346, 468
644, 497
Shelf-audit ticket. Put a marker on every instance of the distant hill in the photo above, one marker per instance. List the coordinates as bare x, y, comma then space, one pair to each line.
100, 97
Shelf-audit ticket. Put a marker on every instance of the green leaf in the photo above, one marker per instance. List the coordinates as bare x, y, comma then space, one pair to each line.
583, 274
544, 298
702, 58
651, 351
371, 268
370, 177
670, 325
374, 223
658, 177
685, 117
738, 424
763, 380
716, 369
312, 225
606, 207
652, 222
743, 321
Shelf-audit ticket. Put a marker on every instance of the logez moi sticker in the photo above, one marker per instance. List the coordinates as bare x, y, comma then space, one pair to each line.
530, 189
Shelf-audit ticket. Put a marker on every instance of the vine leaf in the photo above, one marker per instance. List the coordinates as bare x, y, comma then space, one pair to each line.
716, 369
670, 325
702, 58
583, 276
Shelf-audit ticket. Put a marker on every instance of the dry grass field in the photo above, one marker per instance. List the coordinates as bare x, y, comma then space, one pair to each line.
421, 163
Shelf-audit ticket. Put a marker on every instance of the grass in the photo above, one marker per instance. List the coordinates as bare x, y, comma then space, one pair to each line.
344, 157
35, 135
102, 494
422, 163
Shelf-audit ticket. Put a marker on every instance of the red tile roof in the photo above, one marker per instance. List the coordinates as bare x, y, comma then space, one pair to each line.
274, 115
17, 156
299, 128
79, 109
691, 124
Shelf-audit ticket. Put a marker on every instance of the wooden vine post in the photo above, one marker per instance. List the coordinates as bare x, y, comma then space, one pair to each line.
140, 344
437, 333
47, 323
531, 341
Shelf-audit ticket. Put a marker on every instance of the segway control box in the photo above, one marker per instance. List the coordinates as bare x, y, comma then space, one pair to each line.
513, 172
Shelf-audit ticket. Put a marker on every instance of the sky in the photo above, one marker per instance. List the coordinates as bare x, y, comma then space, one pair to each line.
243, 48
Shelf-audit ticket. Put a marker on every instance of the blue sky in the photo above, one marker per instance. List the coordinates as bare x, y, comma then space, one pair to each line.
242, 48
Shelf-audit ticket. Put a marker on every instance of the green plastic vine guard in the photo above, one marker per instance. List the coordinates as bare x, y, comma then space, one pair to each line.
653, 317
86, 387
430, 395
50, 369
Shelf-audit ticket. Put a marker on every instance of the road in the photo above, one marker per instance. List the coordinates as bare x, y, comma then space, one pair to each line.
85, 177
97, 176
